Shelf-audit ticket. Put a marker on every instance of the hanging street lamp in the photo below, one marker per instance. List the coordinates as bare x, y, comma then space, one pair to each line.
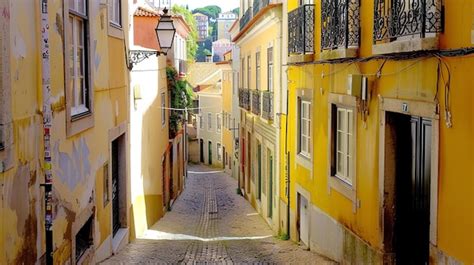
165, 32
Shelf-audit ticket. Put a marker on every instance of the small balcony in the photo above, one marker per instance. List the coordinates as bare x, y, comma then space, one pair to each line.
258, 5
301, 30
340, 24
244, 99
256, 102
394, 19
246, 18
267, 105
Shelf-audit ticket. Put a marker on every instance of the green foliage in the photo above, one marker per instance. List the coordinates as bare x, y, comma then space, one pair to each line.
211, 11
191, 41
236, 11
207, 52
181, 98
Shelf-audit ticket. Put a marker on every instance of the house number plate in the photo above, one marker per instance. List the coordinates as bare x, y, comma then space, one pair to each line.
405, 107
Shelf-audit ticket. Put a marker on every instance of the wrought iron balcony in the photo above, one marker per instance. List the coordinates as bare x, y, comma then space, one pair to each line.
256, 102
258, 5
246, 18
244, 98
340, 24
301, 30
267, 105
399, 18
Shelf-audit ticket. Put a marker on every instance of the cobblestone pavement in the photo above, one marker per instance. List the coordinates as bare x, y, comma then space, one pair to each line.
211, 224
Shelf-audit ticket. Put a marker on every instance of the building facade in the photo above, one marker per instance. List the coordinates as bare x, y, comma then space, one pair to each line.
376, 136
259, 42
224, 22
202, 26
64, 114
219, 48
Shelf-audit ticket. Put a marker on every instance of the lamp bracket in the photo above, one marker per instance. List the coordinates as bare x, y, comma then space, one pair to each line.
138, 56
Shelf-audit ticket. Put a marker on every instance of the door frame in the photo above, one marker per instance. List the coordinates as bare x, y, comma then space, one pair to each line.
413, 108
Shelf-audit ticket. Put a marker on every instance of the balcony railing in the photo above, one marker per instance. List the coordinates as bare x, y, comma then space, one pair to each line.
267, 105
244, 98
301, 30
399, 18
256, 102
246, 18
340, 24
258, 5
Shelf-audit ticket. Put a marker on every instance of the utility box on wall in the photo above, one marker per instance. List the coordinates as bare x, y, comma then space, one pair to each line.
357, 86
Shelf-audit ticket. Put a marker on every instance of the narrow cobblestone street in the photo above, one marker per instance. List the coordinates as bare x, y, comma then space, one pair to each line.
210, 223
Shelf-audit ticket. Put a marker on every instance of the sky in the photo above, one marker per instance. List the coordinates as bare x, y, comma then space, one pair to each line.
225, 5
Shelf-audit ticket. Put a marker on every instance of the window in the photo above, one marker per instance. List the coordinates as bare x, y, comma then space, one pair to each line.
78, 63
84, 238
304, 119
219, 152
163, 109
270, 68
201, 123
257, 71
249, 73
115, 11
209, 121
344, 144
106, 184
218, 122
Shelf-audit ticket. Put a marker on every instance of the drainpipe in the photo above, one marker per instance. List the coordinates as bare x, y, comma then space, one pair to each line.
47, 124
287, 166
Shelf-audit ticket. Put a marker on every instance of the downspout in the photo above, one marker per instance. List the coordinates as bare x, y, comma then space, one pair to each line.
47, 124
287, 166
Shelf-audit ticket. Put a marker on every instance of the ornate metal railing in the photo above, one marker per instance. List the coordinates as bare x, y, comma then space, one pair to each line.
258, 5
244, 98
301, 30
256, 102
340, 24
267, 105
399, 18
246, 18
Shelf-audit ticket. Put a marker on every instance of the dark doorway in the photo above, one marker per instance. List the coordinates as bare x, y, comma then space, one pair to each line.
210, 152
409, 140
225, 157
201, 149
270, 184
259, 171
118, 181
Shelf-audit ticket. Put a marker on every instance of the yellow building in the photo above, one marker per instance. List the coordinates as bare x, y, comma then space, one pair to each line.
228, 127
379, 130
86, 147
259, 42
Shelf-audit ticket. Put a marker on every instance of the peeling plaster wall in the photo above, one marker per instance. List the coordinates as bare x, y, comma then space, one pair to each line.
78, 160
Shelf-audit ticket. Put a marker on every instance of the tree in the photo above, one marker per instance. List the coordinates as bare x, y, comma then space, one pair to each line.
191, 41
211, 11
236, 11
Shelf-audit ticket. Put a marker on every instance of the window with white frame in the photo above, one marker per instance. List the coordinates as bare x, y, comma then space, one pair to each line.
344, 144
218, 122
249, 71
257, 71
115, 11
219, 152
242, 76
78, 62
201, 123
270, 68
209, 121
304, 127
163, 108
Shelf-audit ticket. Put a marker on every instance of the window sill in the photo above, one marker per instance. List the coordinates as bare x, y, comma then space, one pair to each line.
406, 45
300, 58
343, 188
76, 125
115, 31
303, 161
340, 53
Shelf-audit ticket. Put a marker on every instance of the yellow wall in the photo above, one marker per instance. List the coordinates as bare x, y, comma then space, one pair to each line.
77, 160
227, 135
410, 80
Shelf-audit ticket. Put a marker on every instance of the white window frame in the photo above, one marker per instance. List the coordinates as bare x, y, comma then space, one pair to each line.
219, 151
78, 71
344, 144
218, 122
270, 68
201, 122
258, 71
304, 128
209, 121
163, 109
115, 13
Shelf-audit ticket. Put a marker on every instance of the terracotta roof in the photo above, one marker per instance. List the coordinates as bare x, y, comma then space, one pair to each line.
144, 11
